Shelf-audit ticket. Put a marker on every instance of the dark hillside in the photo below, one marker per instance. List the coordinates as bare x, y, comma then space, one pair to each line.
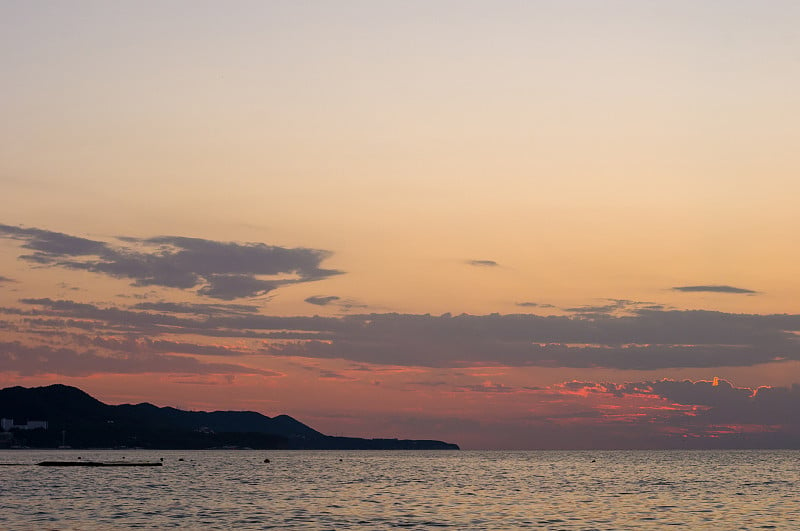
81, 421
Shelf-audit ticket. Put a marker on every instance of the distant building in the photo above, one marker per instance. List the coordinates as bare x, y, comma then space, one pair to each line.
8, 425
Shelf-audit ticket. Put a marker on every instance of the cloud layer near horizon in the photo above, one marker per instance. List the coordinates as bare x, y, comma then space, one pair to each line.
438, 356
25, 360
643, 340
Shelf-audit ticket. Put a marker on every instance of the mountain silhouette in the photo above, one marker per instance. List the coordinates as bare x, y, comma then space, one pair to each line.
79, 420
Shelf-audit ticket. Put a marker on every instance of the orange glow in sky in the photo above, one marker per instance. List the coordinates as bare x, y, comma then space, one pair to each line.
498, 224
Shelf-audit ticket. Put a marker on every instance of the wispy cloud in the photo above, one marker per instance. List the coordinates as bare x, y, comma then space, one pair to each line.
322, 301
26, 360
530, 304
612, 307
487, 387
714, 289
221, 270
197, 309
483, 263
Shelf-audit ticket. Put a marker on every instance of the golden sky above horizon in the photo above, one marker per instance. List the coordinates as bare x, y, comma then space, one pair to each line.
449, 157
593, 151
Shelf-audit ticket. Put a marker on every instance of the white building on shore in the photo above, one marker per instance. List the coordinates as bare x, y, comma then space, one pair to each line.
8, 425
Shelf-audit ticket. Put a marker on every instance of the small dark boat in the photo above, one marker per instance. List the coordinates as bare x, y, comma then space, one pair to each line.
100, 463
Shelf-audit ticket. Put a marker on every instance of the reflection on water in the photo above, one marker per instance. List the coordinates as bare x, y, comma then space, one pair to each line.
379, 490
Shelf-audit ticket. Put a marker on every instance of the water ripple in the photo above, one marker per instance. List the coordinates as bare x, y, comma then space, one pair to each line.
406, 490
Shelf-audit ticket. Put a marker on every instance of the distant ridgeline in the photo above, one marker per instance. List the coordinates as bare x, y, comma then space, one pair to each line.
57, 415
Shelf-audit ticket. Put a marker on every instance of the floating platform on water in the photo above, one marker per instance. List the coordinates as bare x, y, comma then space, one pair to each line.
100, 463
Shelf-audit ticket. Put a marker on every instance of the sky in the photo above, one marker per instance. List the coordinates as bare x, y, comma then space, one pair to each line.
508, 225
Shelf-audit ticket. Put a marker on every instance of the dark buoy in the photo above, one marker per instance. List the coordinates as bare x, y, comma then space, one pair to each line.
180, 459
593, 460
266, 460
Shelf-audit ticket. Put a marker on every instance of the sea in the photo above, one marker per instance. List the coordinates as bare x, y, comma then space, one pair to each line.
248, 489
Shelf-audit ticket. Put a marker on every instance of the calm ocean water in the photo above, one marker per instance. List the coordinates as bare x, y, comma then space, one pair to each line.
416, 490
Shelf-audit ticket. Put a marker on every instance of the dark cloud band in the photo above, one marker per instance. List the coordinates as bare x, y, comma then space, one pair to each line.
220, 270
322, 301
714, 289
643, 340
483, 263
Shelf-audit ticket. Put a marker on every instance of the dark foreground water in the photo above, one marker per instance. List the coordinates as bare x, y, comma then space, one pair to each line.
417, 490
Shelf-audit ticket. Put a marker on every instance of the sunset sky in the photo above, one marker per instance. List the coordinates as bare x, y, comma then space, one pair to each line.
516, 224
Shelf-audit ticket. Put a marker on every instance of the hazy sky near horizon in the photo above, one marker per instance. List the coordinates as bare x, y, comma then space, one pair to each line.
592, 193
